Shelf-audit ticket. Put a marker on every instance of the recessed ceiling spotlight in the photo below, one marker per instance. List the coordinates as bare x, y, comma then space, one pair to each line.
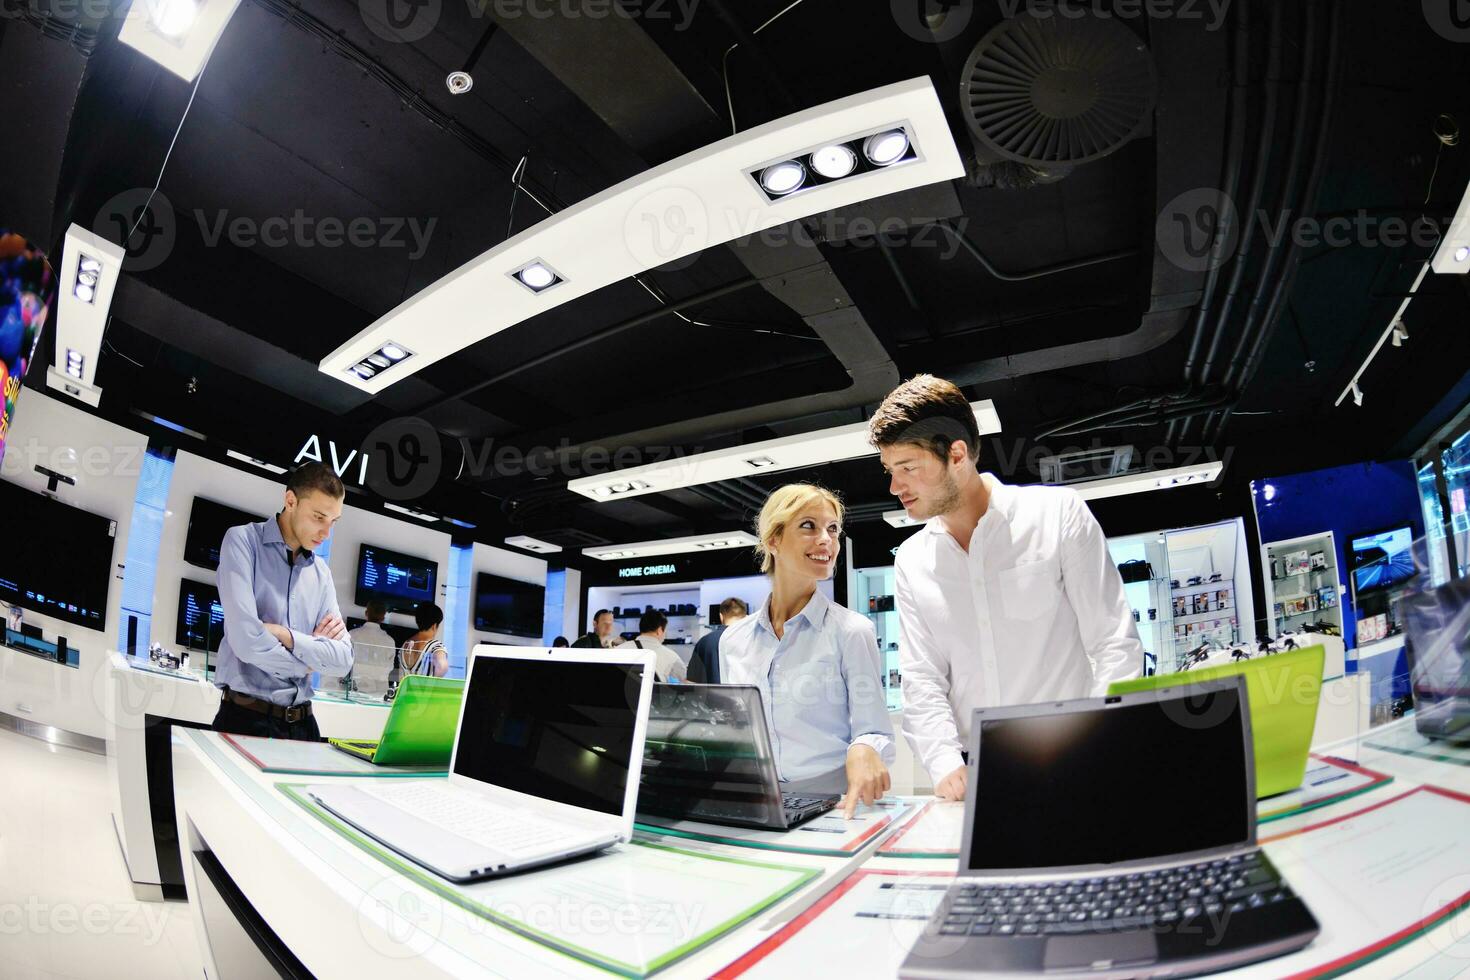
884, 149
782, 178
378, 361
1462, 253
459, 82
393, 352
761, 462
83, 292
89, 264
363, 371
536, 276
87, 278
834, 162
173, 18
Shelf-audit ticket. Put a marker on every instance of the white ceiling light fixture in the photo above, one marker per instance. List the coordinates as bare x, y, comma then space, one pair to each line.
886, 149
680, 208
415, 514
537, 276
172, 18
1453, 255
771, 456
90, 265
834, 162
783, 178
673, 546
178, 34
900, 518
242, 457
527, 543
1179, 476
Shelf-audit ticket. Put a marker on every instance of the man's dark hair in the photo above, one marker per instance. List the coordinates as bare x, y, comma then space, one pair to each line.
600, 612
733, 606
652, 621
428, 615
375, 611
929, 412
315, 476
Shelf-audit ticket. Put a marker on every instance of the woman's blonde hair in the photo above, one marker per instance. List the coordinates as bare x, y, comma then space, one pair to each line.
781, 508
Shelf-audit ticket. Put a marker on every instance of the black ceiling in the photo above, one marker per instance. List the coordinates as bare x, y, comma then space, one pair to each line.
1052, 292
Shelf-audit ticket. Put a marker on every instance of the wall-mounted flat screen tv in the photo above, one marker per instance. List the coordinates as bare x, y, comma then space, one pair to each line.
504, 605
208, 522
400, 581
56, 559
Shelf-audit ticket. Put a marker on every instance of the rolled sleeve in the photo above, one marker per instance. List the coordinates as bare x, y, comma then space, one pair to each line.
247, 636
868, 721
1095, 590
928, 718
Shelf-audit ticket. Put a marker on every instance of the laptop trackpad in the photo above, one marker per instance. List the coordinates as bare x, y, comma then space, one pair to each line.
1100, 952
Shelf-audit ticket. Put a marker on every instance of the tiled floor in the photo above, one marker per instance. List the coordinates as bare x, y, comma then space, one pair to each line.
66, 905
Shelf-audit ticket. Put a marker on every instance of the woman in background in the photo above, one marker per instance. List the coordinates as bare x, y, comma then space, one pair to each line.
425, 653
817, 664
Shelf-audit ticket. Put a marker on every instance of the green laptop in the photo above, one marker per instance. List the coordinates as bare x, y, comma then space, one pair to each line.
420, 726
1284, 690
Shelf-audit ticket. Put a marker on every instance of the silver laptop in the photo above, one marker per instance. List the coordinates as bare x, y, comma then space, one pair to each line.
1112, 837
708, 757
545, 767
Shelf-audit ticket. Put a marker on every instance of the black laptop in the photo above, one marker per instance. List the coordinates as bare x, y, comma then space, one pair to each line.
708, 757
1113, 837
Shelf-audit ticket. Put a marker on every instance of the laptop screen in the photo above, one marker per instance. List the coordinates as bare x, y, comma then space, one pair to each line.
707, 756
1126, 782
551, 729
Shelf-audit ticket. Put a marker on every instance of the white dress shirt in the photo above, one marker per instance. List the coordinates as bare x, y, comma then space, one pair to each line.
666, 663
1033, 612
819, 682
372, 657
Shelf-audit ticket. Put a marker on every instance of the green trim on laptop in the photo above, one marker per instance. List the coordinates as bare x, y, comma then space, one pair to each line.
420, 727
1284, 690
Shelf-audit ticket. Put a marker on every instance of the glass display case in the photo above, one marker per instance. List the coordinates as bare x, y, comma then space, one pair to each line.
1143, 562
1456, 463
1302, 582
1435, 553
874, 598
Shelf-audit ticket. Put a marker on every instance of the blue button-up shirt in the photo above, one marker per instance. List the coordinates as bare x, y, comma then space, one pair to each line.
261, 582
820, 682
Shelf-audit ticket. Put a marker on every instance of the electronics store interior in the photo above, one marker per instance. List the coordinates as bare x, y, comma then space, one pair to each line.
687, 488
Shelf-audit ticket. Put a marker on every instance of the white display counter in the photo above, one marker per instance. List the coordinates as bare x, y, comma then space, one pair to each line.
264, 873
141, 707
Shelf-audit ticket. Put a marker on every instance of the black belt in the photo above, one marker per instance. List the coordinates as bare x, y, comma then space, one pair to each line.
289, 715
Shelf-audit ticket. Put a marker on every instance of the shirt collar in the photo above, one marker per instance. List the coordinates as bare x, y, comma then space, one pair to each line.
1002, 504
815, 611
273, 536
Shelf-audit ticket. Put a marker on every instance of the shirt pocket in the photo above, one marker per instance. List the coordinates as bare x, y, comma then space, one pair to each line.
1030, 591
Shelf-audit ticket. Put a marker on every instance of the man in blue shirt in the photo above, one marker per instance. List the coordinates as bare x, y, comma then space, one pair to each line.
704, 665
282, 623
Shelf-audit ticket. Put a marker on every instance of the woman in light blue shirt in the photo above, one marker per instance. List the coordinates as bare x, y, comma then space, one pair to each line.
817, 664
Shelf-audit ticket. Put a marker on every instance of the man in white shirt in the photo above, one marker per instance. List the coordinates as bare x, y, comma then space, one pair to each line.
1007, 596
652, 626
372, 651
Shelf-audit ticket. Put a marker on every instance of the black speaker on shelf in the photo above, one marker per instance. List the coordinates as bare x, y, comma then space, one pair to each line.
61, 650
132, 636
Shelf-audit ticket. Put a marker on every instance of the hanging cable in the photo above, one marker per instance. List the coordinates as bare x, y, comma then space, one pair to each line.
178, 129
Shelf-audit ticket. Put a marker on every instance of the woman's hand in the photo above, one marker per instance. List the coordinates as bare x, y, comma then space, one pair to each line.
867, 778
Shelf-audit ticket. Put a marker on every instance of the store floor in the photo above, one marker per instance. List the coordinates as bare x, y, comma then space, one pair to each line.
66, 905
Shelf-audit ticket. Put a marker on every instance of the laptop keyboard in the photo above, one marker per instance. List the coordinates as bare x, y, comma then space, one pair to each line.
1115, 902
476, 820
